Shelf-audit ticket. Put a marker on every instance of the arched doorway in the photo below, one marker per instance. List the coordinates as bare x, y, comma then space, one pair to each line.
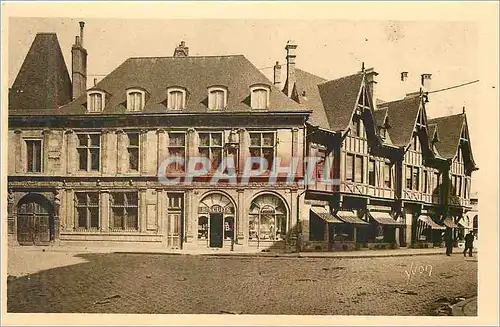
267, 220
475, 226
35, 221
216, 217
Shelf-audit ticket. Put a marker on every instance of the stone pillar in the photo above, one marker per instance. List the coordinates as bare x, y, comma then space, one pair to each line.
58, 193
45, 152
19, 165
70, 209
191, 146
11, 217
105, 151
243, 152
295, 146
71, 158
143, 152
160, 213
122, 154
142, 210
409, 223
293, 218
105, 210
162, 146
241, 226
189, 216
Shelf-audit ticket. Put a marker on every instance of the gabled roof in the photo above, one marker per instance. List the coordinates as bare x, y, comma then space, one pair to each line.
379, 116
43, 81
196, 74
339, 99
307, 84
449, 138
402, 115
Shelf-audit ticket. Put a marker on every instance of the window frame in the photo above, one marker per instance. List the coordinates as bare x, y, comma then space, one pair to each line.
177, 168
134, 147
143, 99
126, 208
175, 89
387, 168
87, 205
211, 147
26, 140
90, 102
372, 163
261, 147
88, 148
253, 100
217, 88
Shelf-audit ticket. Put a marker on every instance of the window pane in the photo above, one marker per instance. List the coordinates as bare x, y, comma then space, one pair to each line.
205, 153
82, 139
82, 159
93, 199
216, 157
94, 217
408, 177
387, 175
349, 167
176, 139
82, 217
416, 178
253, 225
268, 154
117, 218
255, 152
359, 169
94, 159
268, 139
133, 139
133, 156
267, 229
204, 139
132, 199
217, 139
228, 228
94, 139
371, 172
203, 228
132, 221
255, 139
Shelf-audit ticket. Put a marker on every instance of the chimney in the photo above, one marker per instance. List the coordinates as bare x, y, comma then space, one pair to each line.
277, 75
404, 76
181, 50
371, 84
426, 82
290, 67
79, 65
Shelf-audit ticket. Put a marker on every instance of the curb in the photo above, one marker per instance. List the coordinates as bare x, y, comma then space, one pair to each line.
458, 309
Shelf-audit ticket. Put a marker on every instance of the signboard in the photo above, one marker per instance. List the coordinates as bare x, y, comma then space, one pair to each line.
216, 209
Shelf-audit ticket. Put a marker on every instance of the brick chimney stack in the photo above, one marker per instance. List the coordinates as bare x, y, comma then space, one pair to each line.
181, 50
79, 66
290, 48
371, 84
426, 82
277, 75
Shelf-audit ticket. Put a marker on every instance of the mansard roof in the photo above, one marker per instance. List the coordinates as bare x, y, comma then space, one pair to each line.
450, 128
403, 115
339, 99
43, 81
194, 73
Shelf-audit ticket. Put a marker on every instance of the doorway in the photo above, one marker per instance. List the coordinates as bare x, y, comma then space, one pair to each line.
216, 230
34, 222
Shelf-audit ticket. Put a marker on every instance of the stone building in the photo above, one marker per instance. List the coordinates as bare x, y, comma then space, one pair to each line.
88, 165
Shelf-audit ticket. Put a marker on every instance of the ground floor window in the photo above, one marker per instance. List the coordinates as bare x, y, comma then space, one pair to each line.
87, 210
216, 219
124, 210
267, 219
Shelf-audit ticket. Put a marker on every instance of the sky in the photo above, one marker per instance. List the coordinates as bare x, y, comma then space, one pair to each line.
327, 48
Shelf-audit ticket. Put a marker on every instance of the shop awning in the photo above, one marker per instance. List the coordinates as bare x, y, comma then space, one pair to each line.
384, 218
325, 214
350, 218
448, 222
462, 223
430, 223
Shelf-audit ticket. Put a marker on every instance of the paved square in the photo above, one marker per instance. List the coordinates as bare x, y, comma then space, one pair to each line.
150, 283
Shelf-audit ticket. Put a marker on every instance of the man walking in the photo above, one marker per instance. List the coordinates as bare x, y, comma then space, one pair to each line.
469, 243
448, 239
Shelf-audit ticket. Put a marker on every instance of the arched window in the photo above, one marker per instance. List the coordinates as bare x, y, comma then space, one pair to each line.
135, 100
176, 99
259, 97
95, 101
267, 219
217, 98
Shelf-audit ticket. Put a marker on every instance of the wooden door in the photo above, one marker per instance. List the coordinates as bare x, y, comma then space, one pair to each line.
216, 230
33, 224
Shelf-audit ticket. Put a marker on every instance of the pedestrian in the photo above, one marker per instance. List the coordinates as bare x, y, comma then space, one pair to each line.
469, 243
448, 239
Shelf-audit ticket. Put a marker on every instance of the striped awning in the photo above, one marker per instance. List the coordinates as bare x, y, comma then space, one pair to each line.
349, 217
430, 223
324, 213
448, 222
384, 218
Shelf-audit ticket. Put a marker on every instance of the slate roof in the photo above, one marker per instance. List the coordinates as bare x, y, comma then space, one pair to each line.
402, 116
195, 74
339, 99
379, 115
449, 137
308, 83
43, 81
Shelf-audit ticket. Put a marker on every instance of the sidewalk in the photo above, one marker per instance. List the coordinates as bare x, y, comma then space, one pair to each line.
465, 308
238, 252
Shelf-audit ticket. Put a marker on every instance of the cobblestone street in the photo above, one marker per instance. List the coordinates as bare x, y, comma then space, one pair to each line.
149, 283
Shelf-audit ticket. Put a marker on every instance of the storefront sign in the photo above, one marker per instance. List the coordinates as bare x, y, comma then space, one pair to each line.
216, 209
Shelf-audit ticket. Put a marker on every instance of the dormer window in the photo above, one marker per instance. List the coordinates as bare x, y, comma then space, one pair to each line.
135, 99
95, 101
176, 98
259, 97
217, 98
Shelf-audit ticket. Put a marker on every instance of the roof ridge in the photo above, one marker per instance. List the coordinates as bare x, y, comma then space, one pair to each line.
188, 57
340, 78
446, 116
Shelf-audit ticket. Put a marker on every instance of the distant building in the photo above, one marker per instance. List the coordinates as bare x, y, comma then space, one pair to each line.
84, 164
